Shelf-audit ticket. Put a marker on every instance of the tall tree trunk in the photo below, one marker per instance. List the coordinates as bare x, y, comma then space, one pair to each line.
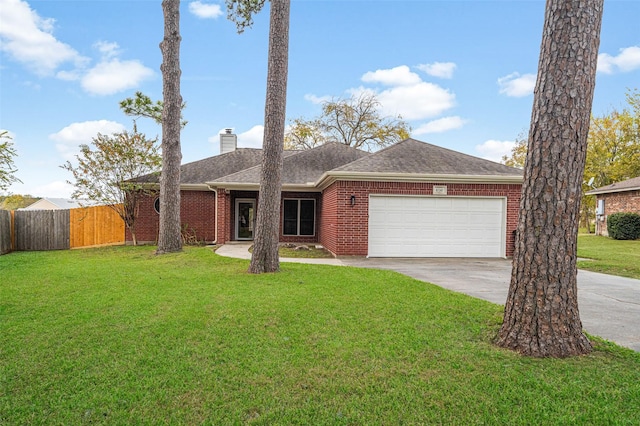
169, 239
541, 315
265, 251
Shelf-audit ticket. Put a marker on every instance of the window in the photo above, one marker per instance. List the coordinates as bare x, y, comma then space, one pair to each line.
299, 217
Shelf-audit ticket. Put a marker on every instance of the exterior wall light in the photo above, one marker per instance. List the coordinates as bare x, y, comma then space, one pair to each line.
353, 200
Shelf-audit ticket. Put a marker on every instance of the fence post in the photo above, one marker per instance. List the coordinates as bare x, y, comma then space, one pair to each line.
12, 231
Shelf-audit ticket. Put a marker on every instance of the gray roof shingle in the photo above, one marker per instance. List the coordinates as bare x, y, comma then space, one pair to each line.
626, 185
415, 157
303, 166
208, 169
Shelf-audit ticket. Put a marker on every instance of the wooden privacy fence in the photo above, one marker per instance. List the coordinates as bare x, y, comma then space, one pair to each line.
94, 226
5, 231
59, 229
41, 230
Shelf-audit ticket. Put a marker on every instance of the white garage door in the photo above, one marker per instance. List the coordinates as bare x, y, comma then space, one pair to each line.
418, 226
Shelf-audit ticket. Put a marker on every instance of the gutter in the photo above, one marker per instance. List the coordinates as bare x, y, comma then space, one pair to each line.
329, 177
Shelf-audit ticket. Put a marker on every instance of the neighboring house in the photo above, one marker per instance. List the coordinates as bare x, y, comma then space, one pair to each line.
615, 198
56, 204
411, 199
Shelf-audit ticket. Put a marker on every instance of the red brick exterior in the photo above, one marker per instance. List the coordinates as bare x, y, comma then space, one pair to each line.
197, 213
341, 227
617, 202
345, 227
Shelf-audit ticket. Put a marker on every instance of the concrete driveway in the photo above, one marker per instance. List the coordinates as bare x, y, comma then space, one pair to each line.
609, 305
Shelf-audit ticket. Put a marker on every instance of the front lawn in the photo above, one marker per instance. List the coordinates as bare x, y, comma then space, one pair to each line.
120, 336
609, 256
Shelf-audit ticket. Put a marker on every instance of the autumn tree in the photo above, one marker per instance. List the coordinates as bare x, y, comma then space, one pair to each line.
518, 153
169, 237
357, 122
105, 168
7, 166
265, 251
16, 201
541, 316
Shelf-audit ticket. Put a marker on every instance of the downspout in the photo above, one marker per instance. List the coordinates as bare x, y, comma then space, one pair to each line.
215, 241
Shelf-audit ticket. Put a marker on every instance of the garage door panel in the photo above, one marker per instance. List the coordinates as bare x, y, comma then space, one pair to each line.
406, 226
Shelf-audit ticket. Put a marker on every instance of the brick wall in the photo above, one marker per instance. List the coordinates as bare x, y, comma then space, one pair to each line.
619, 202
345, 227
197, 213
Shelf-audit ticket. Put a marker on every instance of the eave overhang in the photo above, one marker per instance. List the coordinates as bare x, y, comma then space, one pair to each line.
332, 176
612, 191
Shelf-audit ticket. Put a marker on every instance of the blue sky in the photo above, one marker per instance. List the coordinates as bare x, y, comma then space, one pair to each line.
460, 72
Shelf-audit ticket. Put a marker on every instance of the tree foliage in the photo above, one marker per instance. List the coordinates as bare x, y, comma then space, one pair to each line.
141, 105
613, 152
16, 201
356, 122
7, 166
241, 12
541, 316
105, 168
518, 152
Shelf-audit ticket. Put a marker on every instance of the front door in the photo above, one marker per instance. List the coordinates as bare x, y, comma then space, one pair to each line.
245, 218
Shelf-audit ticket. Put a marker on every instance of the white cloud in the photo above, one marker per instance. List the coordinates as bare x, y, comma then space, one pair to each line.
68, 139
438, 69
440, 125
204, 10
494, 150
416, 102
28, 39
516, 85
55, 189
114, 75
317, 99
627, 60
252, 138
398, 76
408, 96
107, 49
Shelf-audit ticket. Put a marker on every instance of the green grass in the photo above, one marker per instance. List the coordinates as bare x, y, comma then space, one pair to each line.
609, 256
120, 336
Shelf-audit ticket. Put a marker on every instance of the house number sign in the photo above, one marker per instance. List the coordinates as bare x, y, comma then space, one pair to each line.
439, 189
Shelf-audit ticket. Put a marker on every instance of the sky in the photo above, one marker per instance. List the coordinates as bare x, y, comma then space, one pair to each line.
461, 73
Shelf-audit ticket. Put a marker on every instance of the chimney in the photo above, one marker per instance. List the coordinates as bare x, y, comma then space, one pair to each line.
228, 141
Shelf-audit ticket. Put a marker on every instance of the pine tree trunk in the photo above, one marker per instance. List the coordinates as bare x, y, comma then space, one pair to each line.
265, 250
541, 315
169, 239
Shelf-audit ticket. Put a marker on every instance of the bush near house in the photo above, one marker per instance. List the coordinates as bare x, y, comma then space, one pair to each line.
624, 226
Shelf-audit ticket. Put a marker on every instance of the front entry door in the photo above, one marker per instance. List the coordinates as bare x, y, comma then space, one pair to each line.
245, 218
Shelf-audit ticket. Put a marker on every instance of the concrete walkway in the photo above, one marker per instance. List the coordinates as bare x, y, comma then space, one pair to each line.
609, 305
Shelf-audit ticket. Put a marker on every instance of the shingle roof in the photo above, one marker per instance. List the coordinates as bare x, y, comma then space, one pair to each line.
303, 167
415, 157
626, 185
201, 171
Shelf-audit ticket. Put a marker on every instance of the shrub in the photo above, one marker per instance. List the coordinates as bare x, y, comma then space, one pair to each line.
624, 226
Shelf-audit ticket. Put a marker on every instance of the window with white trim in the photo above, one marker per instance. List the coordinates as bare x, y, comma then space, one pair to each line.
299, 217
